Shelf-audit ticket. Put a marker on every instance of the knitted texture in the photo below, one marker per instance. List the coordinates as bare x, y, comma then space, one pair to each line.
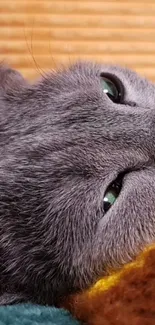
124, 298
27, 314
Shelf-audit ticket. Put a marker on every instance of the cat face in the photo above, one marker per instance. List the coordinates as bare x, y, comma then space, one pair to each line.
77, 177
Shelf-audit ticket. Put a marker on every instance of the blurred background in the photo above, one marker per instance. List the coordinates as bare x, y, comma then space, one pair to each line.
38, 35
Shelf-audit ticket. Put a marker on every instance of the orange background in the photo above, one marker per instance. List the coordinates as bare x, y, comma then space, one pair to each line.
46, 33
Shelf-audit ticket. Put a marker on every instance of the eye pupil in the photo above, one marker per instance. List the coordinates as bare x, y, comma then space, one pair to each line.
107, 206
112, 87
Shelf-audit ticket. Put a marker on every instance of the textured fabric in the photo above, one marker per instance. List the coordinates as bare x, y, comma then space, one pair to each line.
124, 298
52, 32
36, 315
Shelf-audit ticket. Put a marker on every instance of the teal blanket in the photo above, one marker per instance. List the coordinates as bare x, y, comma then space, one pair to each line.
26, 314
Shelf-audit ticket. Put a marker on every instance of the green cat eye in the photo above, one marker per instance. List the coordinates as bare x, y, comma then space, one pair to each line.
109, 199
112, 87
112, 193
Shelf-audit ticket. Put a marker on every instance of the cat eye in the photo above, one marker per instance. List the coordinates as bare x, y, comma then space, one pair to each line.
112, 193
112, 87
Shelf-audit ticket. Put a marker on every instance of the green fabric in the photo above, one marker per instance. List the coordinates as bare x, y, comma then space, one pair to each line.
27, 314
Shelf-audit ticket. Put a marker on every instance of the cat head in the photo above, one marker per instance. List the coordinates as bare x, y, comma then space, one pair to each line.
77, 176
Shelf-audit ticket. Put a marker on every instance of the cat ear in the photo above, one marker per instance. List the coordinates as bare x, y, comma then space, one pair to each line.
10, 80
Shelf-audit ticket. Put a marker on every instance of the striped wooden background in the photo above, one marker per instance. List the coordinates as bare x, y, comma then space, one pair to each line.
40, 34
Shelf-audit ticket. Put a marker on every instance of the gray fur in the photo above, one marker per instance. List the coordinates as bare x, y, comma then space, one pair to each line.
62, 142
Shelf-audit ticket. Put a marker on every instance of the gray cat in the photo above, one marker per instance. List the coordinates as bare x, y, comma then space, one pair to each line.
77, 178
